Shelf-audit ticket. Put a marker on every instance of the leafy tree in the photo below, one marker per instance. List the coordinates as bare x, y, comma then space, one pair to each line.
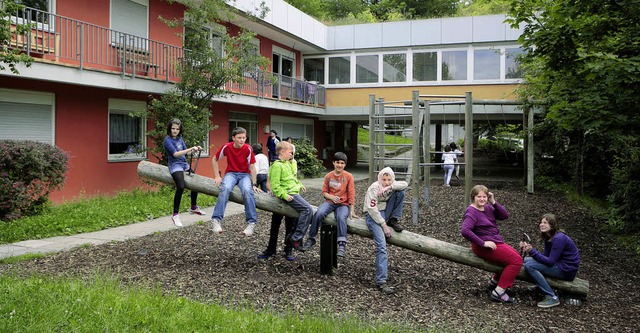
483, 7
10, 57
414, 9
209, 63
582, 61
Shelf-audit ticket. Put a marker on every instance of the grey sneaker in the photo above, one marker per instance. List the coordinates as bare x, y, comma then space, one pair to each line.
216, 227
341, 249
386, 289
309, 244
549, 302
248, 231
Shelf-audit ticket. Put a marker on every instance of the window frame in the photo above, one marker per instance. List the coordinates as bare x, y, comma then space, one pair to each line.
126, 106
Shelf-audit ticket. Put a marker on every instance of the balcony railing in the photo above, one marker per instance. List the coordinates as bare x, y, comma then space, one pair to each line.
65, 41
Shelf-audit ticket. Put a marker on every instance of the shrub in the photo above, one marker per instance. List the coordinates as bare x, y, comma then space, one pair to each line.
29, 171
307, 157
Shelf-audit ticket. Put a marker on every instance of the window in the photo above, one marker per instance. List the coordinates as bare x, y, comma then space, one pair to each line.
314, 70
126, 132
454, 65
425, 66
394, 67
512, 63
367, 69
339, 70
296, 128
248, 121
38, 12
26, 115
486, 64
130, 22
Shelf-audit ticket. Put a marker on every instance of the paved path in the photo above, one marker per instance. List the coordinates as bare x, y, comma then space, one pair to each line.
140, 229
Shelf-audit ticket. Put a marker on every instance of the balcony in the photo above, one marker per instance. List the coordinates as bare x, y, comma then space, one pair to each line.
63, 41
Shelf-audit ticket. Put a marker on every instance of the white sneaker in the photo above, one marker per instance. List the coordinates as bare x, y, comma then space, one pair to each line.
197, 211
248, 231
216, 227
176, 220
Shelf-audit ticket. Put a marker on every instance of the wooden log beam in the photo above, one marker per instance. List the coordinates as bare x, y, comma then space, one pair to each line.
405, 239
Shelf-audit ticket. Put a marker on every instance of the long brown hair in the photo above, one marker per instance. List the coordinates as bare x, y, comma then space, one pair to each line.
553, 224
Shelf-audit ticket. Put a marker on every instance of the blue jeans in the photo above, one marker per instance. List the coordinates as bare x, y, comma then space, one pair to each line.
393, 209
340, 212
537, 271
261, 179
448, 170
306, 212
243, 180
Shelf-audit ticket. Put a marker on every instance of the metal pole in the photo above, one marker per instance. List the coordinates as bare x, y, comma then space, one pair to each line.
372, 137
529, 112
381, 134
415, 153
468, 146
427, 154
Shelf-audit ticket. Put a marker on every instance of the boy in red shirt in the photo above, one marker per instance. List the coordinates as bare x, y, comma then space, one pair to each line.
241, 171
339, 192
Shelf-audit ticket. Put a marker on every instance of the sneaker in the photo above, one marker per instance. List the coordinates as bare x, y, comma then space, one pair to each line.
386, 289
309, 244
176, 220
248, 231
196, 211
296, 244
504, 298
288, 254
341, 249
395, 225
266, 254
549, 302
216, 227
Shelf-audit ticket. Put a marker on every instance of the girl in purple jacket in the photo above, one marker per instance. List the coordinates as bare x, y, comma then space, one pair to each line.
560, 260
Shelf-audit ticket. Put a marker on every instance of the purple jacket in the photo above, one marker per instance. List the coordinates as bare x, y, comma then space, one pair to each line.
480, 226
562, 251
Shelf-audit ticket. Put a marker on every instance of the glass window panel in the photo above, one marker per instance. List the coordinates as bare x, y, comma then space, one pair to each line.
486, 64
339, 70
454, 65
425, 66
314, 70
248, 121
394, 67
125, 133
367, 69
512, 63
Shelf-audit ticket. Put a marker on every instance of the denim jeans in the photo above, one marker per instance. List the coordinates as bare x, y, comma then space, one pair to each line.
340, 212
448, 170
393, 209
537, 271
261, 179
243, 180
306, 213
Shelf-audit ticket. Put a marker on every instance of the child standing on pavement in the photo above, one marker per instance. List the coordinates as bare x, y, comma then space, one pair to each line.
383, 204
338, 190
176, 150
286, 186
241, 170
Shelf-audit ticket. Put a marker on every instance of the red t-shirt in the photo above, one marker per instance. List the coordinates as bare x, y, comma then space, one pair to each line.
238, 159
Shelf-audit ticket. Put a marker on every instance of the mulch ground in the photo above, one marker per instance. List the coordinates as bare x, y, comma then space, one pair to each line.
432, 293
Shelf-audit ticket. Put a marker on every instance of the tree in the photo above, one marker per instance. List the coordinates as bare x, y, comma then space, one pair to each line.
582, 61
211, 59
10, 57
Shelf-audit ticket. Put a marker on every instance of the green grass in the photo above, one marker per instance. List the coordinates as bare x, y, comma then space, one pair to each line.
363, 138
97, 213
102, 304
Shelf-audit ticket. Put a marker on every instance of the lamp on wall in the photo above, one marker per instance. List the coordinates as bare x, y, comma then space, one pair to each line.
267, 129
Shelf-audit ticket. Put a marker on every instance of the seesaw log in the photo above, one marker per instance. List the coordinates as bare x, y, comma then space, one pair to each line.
405, 239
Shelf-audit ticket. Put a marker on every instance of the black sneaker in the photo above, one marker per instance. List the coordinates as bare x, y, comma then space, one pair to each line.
288, 254
386, 289
395, 225
501, 298
309, 244
296, 244
266, 254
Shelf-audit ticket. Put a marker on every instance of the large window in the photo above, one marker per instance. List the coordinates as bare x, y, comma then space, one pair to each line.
394, 67
314, 70
339, 70
126, 132
512, 63
367, 69
454, 65
486, 64
425, 66
296, 128
26, 115
248, 121
130, 23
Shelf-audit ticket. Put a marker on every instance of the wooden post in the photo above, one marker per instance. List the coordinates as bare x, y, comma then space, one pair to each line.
405, 239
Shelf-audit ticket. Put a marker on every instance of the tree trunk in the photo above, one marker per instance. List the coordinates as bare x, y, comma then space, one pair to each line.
405, 239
